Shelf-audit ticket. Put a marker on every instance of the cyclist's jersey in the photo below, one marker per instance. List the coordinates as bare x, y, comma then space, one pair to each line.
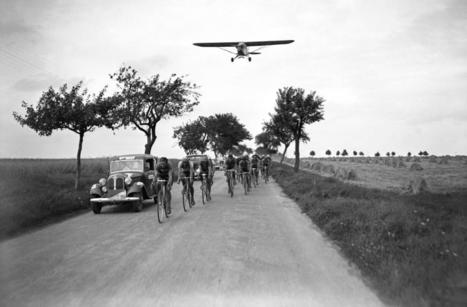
254, 162
185, 167
204, 167
163, 169
266, 161
238, 161
230, 163
243, 165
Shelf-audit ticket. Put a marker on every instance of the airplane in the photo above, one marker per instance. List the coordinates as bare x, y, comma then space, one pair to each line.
242, 47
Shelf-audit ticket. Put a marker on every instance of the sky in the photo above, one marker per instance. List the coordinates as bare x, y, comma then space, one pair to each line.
393, 73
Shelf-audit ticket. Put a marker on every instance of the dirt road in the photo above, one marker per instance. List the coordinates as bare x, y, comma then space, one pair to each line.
254, 250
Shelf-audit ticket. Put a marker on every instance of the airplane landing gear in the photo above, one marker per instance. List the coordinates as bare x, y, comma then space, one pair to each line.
231, 59
249, 59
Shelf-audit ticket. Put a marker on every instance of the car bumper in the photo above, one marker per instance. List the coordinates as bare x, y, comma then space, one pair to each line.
106, 200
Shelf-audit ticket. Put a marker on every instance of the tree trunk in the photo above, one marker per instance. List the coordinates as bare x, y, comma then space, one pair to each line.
297, 153
78, 161
286, 146
150, 140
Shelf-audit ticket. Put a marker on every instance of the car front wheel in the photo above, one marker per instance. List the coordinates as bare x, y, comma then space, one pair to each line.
96, 208
138, 205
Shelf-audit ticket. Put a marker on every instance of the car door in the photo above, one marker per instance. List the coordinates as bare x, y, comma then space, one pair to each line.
149, 173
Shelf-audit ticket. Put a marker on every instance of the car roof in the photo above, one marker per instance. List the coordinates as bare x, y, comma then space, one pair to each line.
134, 156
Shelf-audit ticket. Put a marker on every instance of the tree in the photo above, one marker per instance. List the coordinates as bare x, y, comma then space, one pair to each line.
144, 103
312, 153
338, 153
71, 109
299, 110
393, 153
355, 153
278, 127
344, 153
328, 152
192, 137
377, 154
388, 154
268, 141
409, 154
361, 153
219, 132
425, 153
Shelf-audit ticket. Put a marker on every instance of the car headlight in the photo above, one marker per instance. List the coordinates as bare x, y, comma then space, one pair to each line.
94, 186
102, 181
127, 180
139, 184
104, 189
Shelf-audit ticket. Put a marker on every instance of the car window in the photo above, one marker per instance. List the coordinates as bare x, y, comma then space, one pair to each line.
126, 165
149, 165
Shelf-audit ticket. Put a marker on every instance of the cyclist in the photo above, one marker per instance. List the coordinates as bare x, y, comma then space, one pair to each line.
185, 169
244, 166
255, 161
266, 165
205, 168
164, 172
230, 164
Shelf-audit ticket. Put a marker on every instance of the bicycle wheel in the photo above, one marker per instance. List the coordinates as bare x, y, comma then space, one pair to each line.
230, 187
164, 189
245, 185
203, 192
185, 198
160, 207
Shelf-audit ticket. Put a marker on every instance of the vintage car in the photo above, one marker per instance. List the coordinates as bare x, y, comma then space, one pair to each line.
129, 181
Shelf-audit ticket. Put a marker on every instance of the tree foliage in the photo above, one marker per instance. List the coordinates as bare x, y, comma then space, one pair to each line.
70, 109
312, 153
142, 104
267, 141
328, 152
219, 133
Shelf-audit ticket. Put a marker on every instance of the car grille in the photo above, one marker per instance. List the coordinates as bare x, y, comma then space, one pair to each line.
116, 183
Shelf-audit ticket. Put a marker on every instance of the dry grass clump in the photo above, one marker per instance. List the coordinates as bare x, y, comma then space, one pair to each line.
433, 159
443, 160
416, 167
417, 185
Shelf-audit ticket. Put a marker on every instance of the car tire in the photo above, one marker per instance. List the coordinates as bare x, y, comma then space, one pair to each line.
138, 205
96, 208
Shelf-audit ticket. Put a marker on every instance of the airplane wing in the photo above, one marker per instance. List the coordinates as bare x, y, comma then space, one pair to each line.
233, 44
225, 44
268, 43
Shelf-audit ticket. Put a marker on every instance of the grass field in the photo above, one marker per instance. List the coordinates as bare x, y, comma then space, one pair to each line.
442, 174
411, 248
36, 192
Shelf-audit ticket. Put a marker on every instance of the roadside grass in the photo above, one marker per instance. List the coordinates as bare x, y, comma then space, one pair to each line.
37, 192
411, 248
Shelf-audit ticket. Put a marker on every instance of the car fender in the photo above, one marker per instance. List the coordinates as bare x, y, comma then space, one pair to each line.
135, 189
95, 190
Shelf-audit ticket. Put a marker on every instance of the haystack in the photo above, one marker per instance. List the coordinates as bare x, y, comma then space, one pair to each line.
417, 159
417, 185
345, 174
317, 166
443, 160
328, 169
433, 159
416, 167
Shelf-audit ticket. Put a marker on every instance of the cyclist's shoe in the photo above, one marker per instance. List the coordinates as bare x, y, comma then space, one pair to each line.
169, 210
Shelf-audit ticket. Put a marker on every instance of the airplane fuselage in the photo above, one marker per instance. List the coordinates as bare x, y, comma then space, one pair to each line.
242, 49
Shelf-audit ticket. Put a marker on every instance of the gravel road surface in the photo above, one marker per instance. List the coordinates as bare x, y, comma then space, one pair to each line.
254, 250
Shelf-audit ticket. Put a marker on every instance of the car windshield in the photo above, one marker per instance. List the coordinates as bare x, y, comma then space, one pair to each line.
126, 166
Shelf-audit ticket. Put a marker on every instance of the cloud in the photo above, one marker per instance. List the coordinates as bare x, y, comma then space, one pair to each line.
41, 82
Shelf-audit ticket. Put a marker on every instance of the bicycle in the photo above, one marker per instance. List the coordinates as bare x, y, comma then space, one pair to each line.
204, 189
161, 204
186, 194
246, 182
230, 182
254, 171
